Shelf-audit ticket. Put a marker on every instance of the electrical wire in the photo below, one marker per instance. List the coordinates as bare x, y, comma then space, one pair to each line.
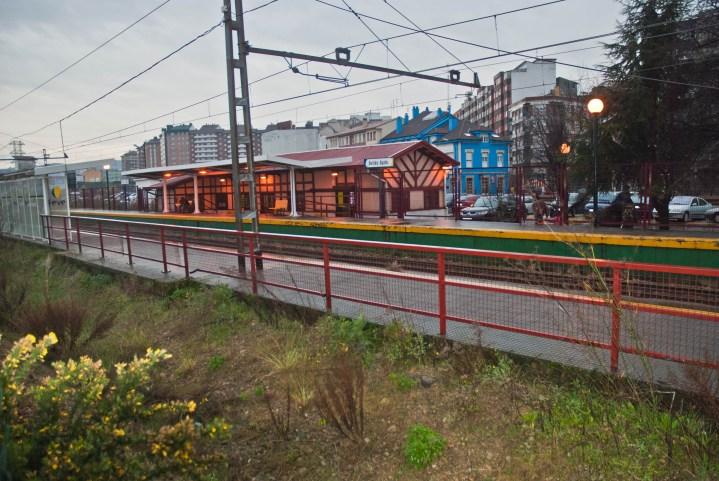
118, 87
34, 89
385, 43
427, 34
531, 57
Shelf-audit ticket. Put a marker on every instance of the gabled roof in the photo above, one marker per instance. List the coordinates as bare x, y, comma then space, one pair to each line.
417, 125
464, 131
355, 156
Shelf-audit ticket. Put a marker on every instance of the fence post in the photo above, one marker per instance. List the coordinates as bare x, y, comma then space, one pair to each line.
328, 276
77, 232
67, 238
164, 250
442, 291
616, 320
253, 265
129, 246
102, 244
184, 254
47, 227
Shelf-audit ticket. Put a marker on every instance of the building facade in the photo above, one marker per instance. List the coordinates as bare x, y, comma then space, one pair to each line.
490, 107
367, 132
131, 160
176, 144
210, 142
153, 152
537, 120
482, 155
280, 141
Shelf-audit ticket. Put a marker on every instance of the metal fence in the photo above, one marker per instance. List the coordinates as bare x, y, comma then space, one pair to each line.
592, 313
21, 205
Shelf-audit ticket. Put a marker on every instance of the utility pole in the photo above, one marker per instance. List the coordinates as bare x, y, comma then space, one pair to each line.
243, 102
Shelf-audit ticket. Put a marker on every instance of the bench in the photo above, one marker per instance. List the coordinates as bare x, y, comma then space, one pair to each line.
281, 205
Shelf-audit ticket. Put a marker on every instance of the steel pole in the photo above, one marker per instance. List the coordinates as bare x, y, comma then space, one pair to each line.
595, 121
107, 186
229, 55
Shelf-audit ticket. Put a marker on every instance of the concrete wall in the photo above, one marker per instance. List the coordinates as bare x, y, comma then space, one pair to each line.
533, 79
292, 140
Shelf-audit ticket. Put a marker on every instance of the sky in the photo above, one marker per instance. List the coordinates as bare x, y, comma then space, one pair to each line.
38, 38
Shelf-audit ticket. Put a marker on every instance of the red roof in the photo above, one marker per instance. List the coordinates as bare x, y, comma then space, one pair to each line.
360, 153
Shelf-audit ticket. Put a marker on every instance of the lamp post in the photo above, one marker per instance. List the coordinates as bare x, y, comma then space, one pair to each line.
565, 149
595, 107
106, 168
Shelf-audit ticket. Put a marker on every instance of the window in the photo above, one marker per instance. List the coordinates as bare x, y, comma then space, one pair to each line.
485, 159
468, 158
485, 184
500, 158
484, 138
500, 184
469, 185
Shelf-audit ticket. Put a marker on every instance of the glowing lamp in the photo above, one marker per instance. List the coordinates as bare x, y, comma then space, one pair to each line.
595, 106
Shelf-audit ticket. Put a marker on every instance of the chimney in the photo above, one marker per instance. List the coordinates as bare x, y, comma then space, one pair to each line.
398, 125
406, 118
415, 112
452, 123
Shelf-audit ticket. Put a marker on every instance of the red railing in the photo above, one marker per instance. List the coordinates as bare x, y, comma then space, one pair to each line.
660, 312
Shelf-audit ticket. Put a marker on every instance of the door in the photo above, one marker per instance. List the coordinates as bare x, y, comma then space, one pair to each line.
344, 200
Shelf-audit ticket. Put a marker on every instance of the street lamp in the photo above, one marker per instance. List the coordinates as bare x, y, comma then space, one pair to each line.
106, 168
595, 107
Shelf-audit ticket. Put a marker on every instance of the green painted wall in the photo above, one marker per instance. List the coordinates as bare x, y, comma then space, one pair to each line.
658, 255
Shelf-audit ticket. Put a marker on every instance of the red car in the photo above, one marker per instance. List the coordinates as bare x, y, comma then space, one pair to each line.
467, 200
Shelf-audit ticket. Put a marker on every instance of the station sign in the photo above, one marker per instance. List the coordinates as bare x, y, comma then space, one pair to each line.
380, 163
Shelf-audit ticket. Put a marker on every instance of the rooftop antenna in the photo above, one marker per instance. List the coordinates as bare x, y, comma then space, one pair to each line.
17, 147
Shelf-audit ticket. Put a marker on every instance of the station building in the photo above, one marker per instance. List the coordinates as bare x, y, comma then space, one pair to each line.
343, 182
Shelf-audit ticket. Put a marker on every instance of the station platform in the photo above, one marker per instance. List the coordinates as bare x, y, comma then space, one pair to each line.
675, 247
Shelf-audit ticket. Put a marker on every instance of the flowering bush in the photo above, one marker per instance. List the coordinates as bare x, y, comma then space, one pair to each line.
80, 423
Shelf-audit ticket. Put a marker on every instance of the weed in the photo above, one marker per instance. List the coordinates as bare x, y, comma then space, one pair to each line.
355, 335
216, 362
402, 344
96, 281
423, 446
340, 395
500, 370
259, 391
402, 381
74, 322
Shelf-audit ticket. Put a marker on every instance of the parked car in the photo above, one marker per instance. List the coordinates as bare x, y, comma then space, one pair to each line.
712, 214
686, 208
484, 207
468, 200
611, 208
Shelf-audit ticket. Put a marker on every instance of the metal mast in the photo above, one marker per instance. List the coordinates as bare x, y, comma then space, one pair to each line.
244, 137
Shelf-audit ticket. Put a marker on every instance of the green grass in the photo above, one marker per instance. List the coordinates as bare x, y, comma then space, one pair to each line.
423, 446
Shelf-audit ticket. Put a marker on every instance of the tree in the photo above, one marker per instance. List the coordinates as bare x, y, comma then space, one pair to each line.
661, 99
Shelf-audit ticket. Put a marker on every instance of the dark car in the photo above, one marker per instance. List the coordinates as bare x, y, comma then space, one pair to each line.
616, 208
485, 207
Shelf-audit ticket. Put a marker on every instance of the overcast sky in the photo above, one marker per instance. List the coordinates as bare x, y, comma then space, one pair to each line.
40, 37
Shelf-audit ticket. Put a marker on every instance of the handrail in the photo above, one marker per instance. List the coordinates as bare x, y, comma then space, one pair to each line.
601, 263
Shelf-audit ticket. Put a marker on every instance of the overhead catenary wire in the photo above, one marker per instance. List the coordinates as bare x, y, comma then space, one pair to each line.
385, 43
118, 87
88, 54
532, 57
428, 35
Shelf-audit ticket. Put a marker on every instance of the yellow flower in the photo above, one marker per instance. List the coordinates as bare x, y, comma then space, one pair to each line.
52, 337
118, 432
191, 406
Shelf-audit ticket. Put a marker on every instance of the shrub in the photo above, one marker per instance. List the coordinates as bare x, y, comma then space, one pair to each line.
402, 381
72, 319
423, 446
79, 422
403, 345
355, 335
340, 396
216, 362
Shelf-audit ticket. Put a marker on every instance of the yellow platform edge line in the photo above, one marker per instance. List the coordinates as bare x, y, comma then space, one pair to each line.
572, 238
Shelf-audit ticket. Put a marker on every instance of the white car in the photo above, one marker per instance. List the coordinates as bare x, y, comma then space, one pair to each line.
686, 208
712, 214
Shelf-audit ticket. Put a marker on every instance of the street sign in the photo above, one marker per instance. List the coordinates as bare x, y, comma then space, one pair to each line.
379, 163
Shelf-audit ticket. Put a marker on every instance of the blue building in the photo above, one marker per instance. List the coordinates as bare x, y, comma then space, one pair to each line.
483, 156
